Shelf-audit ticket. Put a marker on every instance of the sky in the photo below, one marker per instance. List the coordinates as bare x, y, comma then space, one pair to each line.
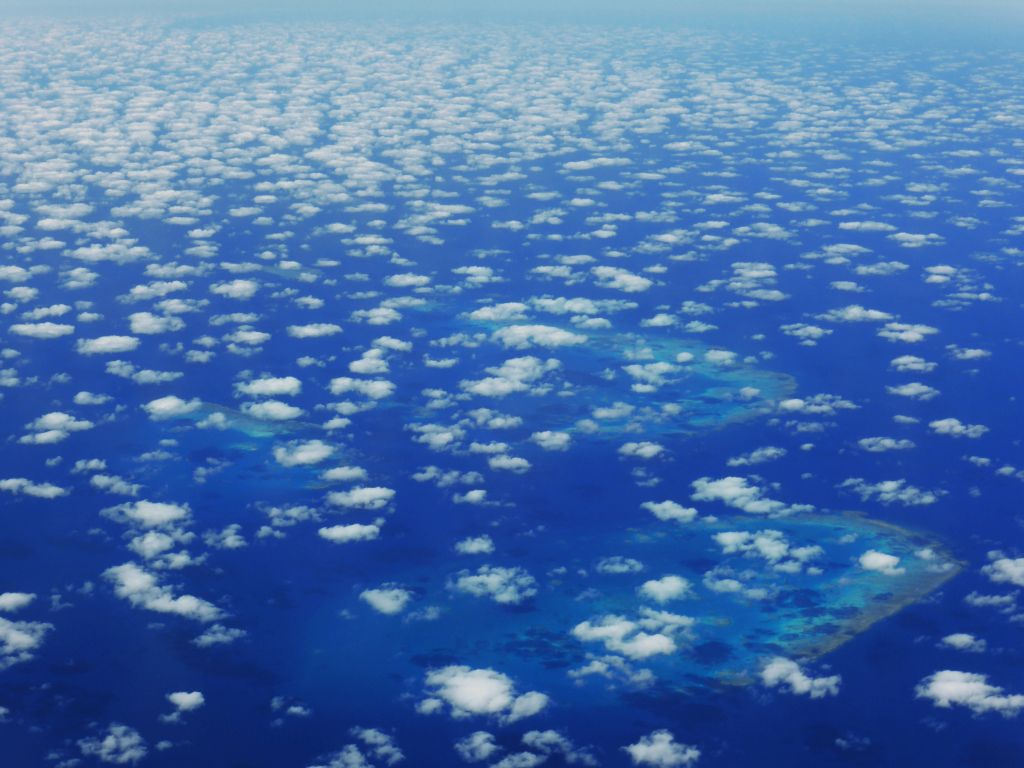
950, 18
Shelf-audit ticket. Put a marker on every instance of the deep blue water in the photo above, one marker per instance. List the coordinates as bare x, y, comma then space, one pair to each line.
739, 167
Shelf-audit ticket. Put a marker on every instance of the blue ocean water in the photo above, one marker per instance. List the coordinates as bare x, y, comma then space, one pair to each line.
602, 396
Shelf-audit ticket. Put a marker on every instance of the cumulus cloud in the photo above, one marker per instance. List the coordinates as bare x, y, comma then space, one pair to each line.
890, 491
375, 389
107, 345
272, 410
507, 586
236, 289
956, 428
660, 749
362, 497
313, 330
641, 450
739, 493
19, 640
149, 514
517, 374
373, 744
471, 692
119, 745
552, 441
143, 590
670, 510
171, 407
15, 601
21, 485
388, 599
45, 330
652, 633
526, 336
270, 386
183, 701
477, 747
1005, 570
785, 673
666, 589
620, 279
343, 534
148, 323
963, 641
881, 562
757, 456
882, 444
475, 545
948, 688
302, 453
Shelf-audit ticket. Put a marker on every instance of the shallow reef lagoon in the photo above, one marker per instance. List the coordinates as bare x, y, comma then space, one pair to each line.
380, 393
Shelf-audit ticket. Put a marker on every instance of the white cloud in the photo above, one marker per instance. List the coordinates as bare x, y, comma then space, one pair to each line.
653, 633
525, 336
171, 407
21, 485
272, 410
948, 688
500, 313
149, 514
15, 601
789, 675
148, 323
956, 428
299, 454
666, 588
143, 590
343, 534
660, 749
890, 491
737, 492
120, 745
19, 640
480, 692
54, 427
906, 332
962, 641
508, 586
389, 599
881, 562
882, 444
617, 564
475, 545
362, 497
641, 450
670, 510
375, 389
770, 545
186, 701
1005, 570
313, 330
107, 345
270, 386
477, 747
620, 279
552, 441
855, 313
516, 374
374, 745
45, 330
915, 390
757, 456
236, 289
